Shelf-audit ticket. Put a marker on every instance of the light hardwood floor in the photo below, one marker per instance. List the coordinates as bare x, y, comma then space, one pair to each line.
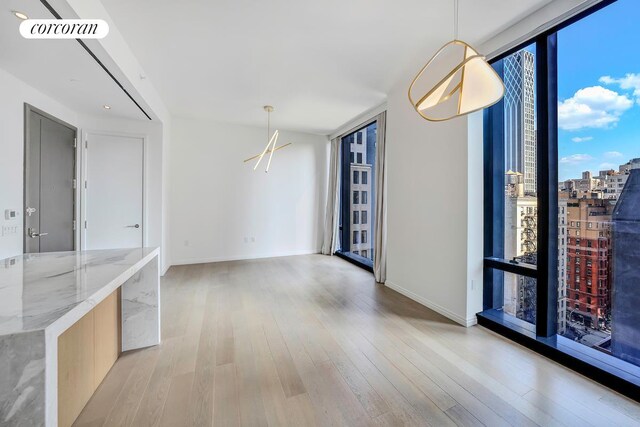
312, 340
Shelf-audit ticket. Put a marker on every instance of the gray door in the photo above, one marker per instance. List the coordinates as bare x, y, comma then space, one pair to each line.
49, 193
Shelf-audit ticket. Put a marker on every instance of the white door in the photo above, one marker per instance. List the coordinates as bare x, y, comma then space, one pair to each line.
114, 193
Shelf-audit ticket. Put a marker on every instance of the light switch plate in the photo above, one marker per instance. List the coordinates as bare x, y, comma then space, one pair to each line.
8, 230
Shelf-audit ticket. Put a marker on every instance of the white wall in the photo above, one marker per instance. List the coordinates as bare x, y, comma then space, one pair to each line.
217, 200
14, 94
428, 209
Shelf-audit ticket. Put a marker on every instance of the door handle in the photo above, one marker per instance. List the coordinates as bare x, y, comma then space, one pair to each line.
133, 226
32, 233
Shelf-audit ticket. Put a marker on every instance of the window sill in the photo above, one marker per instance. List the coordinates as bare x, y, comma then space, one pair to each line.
361, 262
614, 373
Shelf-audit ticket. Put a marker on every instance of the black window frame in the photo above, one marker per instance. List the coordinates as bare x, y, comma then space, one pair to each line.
541, 337
347, 157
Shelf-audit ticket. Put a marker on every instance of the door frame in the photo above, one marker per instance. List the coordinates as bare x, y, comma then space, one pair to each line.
28, 108
86, 134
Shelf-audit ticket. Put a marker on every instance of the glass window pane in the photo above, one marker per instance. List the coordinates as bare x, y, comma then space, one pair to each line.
359, 186
520, 297
599, 188
520, 151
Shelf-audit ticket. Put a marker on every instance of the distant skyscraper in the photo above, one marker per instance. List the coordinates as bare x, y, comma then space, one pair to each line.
362, 152
519, 117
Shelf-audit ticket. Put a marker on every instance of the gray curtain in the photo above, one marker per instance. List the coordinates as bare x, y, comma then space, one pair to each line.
332, 213
380, 223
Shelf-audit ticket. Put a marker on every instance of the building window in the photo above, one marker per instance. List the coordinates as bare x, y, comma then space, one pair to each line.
357, 186
364, 236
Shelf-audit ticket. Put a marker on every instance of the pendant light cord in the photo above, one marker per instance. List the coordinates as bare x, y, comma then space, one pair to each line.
455, 19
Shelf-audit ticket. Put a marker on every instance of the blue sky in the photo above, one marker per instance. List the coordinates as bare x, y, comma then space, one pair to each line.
599, 90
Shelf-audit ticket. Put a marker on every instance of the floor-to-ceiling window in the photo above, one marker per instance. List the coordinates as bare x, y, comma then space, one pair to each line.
358, 195
562, 195
599, 192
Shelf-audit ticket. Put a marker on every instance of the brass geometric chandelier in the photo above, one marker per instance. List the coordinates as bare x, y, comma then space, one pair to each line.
271, 144
456, 81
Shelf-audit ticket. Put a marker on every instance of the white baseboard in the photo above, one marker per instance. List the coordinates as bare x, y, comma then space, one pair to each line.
165, 269
205, 260
433, 306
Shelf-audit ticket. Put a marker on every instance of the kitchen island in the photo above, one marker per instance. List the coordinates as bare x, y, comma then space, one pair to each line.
64, 319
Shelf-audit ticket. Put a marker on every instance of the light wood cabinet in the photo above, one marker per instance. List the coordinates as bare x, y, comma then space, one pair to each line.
86, 352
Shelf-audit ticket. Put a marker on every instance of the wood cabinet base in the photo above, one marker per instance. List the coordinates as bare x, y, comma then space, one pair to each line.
86, 353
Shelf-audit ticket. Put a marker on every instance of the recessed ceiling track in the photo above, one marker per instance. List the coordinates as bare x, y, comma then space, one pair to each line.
57, 16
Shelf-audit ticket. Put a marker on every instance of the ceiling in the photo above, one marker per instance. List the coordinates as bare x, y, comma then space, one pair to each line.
61, 69
320, 63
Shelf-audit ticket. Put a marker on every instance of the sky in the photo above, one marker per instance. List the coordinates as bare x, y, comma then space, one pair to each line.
599, 90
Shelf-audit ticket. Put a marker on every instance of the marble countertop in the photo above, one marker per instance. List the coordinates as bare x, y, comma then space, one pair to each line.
38, 289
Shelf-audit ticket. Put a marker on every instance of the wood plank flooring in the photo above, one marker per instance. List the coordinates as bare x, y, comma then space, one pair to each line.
313, 340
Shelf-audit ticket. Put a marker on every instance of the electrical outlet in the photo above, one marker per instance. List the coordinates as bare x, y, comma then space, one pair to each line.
9, 262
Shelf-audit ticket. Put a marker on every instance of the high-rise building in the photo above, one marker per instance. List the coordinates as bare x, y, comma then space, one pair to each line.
588, 257
520, 244
614, 182
519, 117
361, 170
625, 231
562, 258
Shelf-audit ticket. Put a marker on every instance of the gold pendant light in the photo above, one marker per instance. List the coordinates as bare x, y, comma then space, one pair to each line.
456, 81
271, 144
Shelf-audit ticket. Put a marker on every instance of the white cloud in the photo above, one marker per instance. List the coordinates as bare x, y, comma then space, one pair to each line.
606, 166
592, 107
612, 154
582, 138
575, 159
629, 81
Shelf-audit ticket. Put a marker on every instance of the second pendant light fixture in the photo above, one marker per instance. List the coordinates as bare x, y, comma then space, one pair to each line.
456, 81
272, 140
